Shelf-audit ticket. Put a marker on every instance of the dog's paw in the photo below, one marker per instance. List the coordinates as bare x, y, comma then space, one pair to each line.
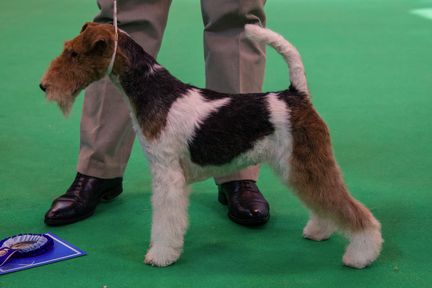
363, 249
161, 256
318, 230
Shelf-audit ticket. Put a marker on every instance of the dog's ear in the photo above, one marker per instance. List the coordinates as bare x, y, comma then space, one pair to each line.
88, 24
99, 44
84, 27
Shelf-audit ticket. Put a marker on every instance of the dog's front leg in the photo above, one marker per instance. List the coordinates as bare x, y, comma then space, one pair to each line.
170, 219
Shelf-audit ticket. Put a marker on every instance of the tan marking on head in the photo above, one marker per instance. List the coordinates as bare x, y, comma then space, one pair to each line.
84, 60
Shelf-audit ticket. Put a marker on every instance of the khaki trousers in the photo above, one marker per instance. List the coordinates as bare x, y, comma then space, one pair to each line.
233, 64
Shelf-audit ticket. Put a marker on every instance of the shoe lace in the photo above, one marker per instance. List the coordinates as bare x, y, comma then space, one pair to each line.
77, 185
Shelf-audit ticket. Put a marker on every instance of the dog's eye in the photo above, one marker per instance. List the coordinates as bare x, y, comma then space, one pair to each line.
74, 54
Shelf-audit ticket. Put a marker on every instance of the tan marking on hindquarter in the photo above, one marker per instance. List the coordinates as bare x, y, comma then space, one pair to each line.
315, 174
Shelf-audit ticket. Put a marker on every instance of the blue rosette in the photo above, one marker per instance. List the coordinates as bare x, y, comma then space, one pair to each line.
24, 245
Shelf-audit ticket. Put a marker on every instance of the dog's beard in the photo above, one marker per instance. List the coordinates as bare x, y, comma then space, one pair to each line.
64, 101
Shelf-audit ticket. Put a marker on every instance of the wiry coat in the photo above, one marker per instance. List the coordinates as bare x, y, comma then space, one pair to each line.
190, 134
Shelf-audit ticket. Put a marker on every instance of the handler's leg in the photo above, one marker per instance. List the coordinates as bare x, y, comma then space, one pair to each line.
235, 64
106, 130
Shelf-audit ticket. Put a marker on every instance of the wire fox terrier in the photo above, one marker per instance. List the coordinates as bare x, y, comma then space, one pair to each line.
190, 134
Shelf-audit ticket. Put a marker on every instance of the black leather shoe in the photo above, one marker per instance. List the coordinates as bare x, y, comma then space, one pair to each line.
81, 199
246, 204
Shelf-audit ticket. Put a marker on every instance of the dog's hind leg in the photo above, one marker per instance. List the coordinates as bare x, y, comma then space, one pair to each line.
170, 220
317, 180
319, 228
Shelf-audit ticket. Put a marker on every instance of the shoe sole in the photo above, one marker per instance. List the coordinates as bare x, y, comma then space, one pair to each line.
111, 194
106, 197
61, 222
249, 222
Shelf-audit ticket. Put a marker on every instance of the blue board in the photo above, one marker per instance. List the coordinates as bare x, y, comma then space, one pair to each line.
61, 251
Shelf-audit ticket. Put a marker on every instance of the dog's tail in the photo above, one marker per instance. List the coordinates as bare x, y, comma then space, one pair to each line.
286, 49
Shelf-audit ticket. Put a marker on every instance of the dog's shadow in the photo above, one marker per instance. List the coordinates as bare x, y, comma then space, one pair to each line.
274, 248
214, 241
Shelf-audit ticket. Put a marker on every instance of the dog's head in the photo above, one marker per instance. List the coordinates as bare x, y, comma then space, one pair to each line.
84, 60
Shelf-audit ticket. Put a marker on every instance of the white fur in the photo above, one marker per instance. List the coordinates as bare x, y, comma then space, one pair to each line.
169, 217
286, 49
318, 228
282, 138
364, 247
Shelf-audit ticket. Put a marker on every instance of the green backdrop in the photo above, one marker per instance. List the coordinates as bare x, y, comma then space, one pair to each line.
369, 66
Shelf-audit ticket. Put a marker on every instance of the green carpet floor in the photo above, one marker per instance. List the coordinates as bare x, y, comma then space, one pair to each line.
369, 66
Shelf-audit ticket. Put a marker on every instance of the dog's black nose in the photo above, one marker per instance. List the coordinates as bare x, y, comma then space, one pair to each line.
42, 87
